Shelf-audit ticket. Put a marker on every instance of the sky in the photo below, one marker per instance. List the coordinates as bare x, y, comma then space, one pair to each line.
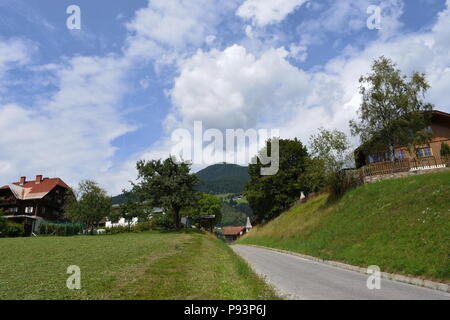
88, 102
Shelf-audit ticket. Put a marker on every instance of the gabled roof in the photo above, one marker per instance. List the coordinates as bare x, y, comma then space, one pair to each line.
232, 231
35, 189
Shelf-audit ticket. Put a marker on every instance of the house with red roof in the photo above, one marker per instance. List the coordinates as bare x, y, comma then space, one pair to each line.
31, 202
232, 233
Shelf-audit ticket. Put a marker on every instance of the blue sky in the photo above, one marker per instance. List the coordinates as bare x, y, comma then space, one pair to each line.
88, 103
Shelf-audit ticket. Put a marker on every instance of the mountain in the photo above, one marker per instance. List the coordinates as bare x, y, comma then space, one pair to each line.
121, 198
223, 178
216, 179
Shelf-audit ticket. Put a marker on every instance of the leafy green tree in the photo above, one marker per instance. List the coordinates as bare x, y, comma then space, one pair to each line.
333, 148
167, 184
88, 205
268, 196
133, 208
114, 215
445, 150
315, 177
210, 205
392, 112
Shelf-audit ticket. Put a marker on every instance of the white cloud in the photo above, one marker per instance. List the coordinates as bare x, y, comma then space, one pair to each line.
14, 52
347, 17
71, 134
235, 89
265, 12
173, 26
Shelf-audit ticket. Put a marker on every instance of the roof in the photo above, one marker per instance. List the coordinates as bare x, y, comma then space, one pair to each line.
35, 189
232, 231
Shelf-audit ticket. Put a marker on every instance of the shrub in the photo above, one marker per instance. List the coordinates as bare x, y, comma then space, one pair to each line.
445, 149
144, 226
3, 224
342, 181
14, 229
158, 222
162, 222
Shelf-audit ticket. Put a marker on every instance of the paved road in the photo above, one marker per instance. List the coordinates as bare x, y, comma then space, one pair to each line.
300, 279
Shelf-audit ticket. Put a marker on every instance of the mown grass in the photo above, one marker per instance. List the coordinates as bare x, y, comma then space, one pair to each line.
151, 265
402, 225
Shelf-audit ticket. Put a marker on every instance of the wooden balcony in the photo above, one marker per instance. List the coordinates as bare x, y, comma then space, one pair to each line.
6, 202
416, 164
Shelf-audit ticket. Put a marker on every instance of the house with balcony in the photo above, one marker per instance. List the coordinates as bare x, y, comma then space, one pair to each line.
32, 202
422, 155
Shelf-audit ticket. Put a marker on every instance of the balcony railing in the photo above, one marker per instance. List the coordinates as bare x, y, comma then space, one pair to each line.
416, 164
8, 201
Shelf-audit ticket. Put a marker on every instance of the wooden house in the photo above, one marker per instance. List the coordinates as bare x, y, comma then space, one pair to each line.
31, 202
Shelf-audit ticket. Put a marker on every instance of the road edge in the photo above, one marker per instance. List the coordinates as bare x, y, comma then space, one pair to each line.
384, 275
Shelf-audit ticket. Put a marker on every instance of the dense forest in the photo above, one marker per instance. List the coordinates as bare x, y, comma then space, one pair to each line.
223, 178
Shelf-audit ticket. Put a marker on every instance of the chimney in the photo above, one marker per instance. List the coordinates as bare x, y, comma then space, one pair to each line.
23, 180
38, 179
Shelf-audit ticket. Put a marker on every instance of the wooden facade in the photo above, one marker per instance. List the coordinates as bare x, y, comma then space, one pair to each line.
440, 128
30, 202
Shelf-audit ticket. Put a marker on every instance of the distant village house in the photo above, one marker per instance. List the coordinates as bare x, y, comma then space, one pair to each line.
233, 233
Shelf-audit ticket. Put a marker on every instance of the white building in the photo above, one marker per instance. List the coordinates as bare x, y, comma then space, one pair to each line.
122, 222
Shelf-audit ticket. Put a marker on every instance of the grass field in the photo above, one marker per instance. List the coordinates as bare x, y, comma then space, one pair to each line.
151, 265
401, 225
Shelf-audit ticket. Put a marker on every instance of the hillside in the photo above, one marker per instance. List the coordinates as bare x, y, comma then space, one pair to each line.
402, 225
223, 178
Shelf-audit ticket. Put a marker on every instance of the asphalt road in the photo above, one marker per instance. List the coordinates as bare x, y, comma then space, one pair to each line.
302, 279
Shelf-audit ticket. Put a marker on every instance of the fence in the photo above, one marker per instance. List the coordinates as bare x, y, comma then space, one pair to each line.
60, 229
416, 164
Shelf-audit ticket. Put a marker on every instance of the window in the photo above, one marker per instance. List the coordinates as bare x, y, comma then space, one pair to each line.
29, 210
13, 210
400, 154
424, 152
379, 157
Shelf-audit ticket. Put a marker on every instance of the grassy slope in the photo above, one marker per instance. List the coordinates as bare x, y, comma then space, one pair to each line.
400, 225
151, 265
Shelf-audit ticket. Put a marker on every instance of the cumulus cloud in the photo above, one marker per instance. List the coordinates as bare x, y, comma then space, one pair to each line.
235, 89
164, 27
266, 12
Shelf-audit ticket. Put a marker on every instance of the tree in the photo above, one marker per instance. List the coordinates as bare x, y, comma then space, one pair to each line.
210, 205
445, 150
315, 177
333, 148
88, 205
168, 184
133, 208
392, 112
268, 196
